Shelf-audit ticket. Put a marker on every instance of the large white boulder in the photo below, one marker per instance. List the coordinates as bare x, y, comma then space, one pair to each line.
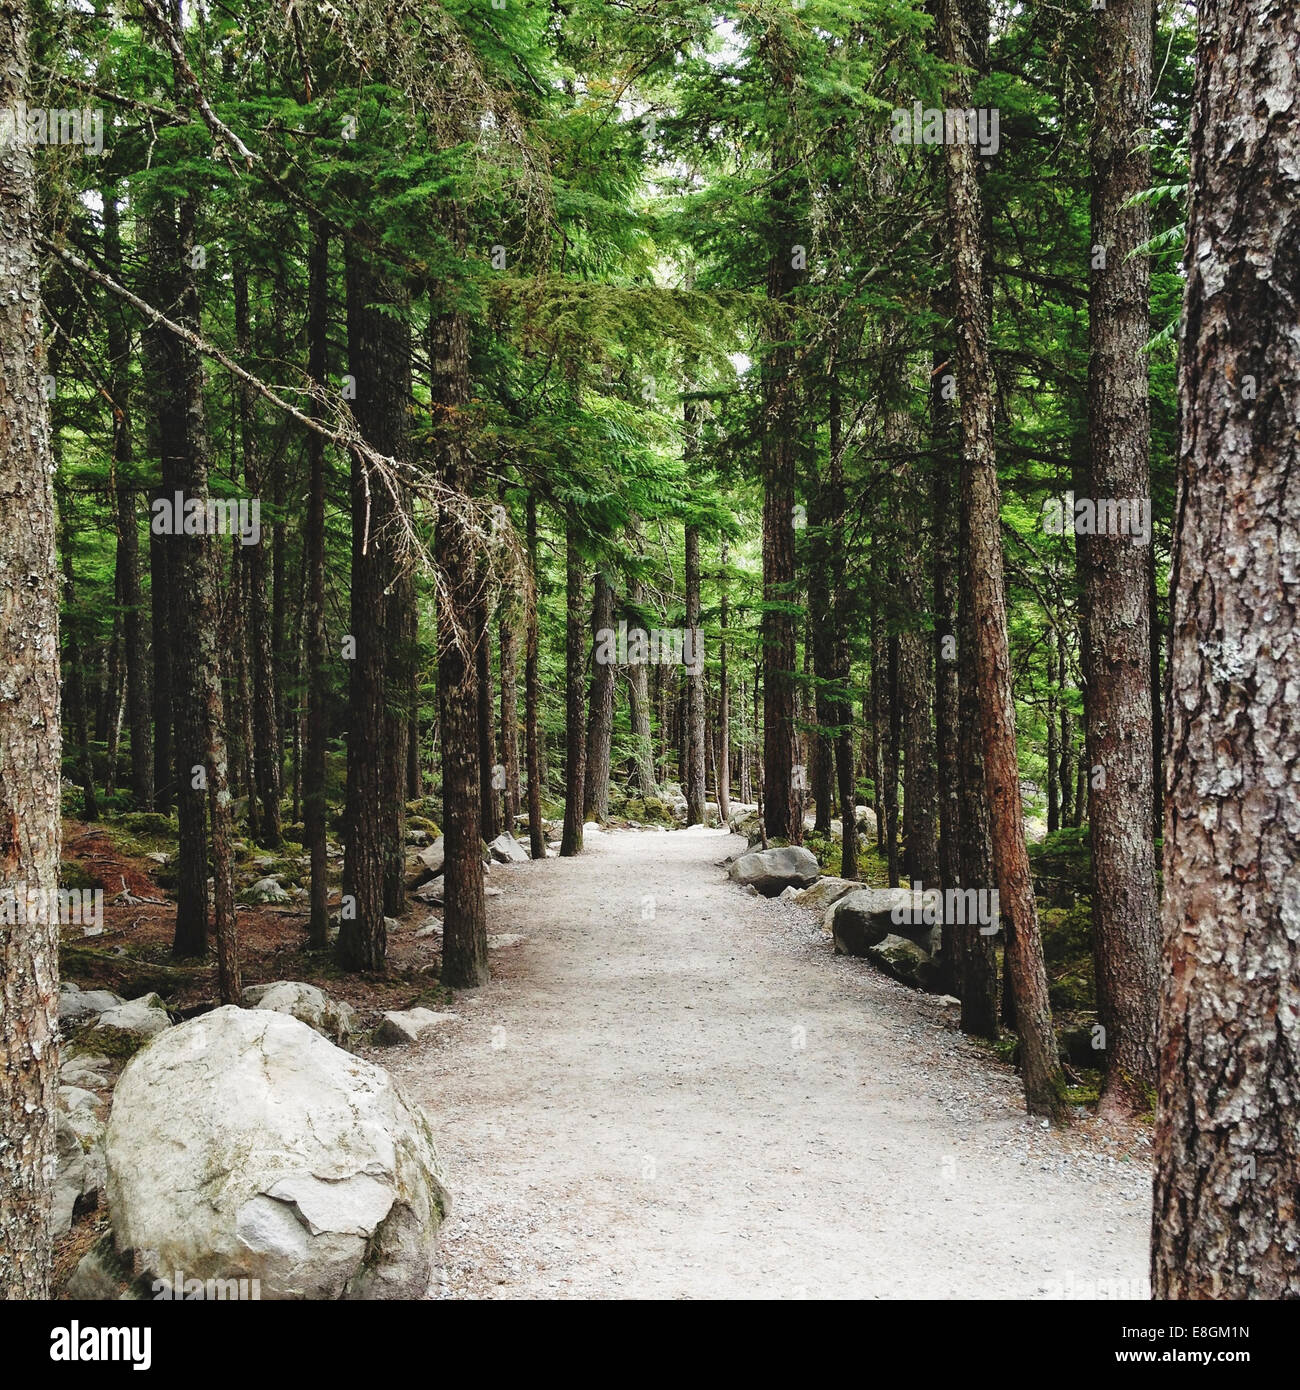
331, 1018
242, 1144
770, 870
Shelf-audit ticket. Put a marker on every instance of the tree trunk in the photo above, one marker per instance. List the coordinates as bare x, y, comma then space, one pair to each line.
509, 643
600, 722
490, 811
464, 941
30, 824
379, 360
695, 792
318, 682
723, 774
840, 653
638, 698
201, 739
1225, 1223
893, 748
575, 647
1053, 750
1040, 1065
266, 730
532, 750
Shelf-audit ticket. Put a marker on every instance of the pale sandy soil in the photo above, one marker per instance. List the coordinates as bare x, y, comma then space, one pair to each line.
674, 1090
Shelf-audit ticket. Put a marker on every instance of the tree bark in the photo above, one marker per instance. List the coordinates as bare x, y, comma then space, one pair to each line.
638, 698
1225, 1222
318, 683
575, 648
266, 728
532, 694
30, 824
1039, 1063
507, 618
695, 785
600, 704
723, 774
464, 941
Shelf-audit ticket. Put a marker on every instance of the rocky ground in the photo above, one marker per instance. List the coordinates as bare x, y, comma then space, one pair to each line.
673, 1089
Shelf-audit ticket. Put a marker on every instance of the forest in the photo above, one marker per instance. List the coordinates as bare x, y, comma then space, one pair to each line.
648, 557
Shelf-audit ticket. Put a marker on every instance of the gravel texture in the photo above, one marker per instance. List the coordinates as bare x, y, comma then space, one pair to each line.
672, 1089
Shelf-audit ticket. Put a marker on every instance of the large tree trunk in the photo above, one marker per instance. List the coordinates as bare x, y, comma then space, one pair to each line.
600, 721
201, 739
379, 359
29, 723
638, 698
507, 619
489, 804
1117, 652
464, 941
947, 693
532, 693
782, 801
840, 653
1225, 1223
318, 682
723, 772
575, 648
128, 535
266, 728
694, 789
1039, 1064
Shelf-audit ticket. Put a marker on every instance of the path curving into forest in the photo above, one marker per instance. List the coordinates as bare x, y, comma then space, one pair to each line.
674, 1090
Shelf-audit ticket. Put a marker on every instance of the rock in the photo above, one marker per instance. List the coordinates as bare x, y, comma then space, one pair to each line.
866, 821
752, 891
1035, 829
79, 1156
433, 927
408, 1026
904, 960
824, 892
771, 870
317, 1175
492, 892
431, 892
789, 894
500, 941
158, 857
417, 837
102, 1273
265, 890
81, 1005
136, 1021
85, 1070
860, 920
331, 1018
433, 857
505, 849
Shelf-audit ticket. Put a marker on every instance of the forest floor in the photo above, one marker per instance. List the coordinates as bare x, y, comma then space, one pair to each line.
674, 1090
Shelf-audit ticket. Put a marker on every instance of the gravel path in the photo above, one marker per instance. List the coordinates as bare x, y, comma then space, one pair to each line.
674, 1090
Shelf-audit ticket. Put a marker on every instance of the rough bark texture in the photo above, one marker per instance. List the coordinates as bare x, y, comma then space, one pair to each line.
575, 713
600, 705
318, 682
638, 698
128, 535
29, 721
694, 787
1117, 654
464, 941
782, 803
723, 772
532, 694
489, 802
507, 619
1039, 1064
378, 359
266, 729
1226, 1221
841, 656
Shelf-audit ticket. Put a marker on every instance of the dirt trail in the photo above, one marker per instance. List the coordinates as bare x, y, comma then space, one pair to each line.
672, 1089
